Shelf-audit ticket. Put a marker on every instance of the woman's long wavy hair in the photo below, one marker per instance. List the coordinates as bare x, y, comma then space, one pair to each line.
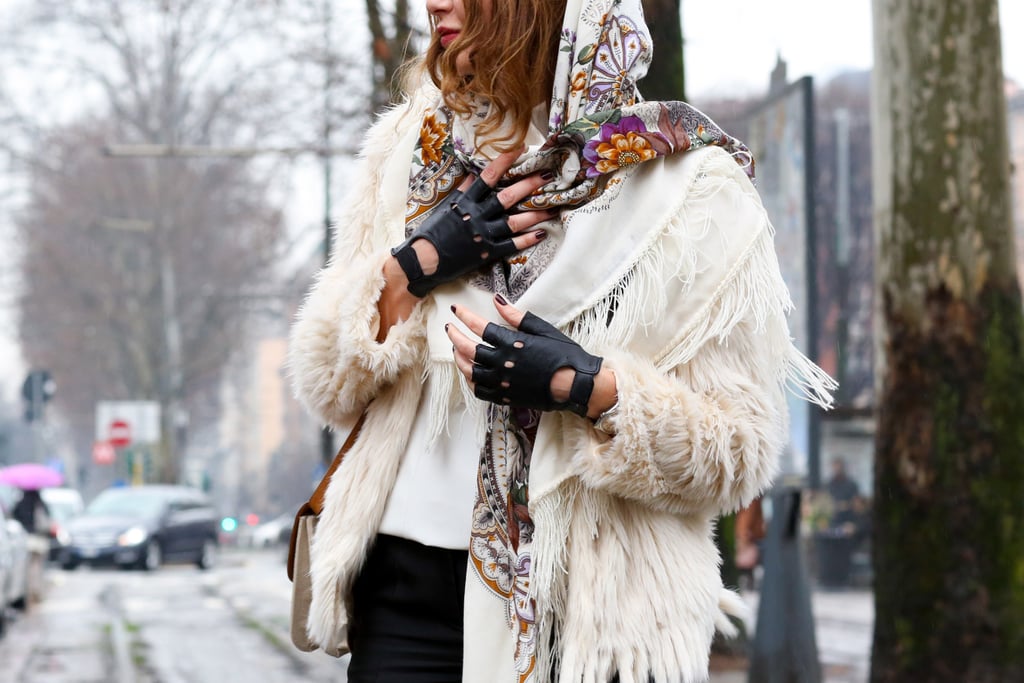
513, 53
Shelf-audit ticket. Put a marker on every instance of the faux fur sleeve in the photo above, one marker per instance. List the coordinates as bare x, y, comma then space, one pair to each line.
699, 426
336, 364
703, 438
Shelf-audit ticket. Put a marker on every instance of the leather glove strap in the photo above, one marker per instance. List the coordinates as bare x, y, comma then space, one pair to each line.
515, 367
467, 234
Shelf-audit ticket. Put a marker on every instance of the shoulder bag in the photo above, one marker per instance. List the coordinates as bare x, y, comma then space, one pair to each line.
299, 546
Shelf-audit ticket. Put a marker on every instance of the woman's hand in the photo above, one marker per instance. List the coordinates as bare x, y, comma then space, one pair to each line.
533, 365
473, 228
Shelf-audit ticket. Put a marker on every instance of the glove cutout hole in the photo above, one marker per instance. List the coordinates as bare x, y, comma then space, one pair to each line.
505, 385
519, 344
510, 364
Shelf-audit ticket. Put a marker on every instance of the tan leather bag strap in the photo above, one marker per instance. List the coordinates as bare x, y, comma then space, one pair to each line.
316, 502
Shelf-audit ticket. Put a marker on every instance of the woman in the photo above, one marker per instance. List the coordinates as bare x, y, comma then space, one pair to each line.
532, 494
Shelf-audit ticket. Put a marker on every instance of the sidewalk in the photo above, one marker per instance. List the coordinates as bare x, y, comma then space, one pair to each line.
844, 621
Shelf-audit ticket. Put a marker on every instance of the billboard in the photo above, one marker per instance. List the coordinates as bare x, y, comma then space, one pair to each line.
780, 134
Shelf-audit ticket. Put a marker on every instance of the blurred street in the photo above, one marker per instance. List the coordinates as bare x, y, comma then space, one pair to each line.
176, 625
843, 623
182, 625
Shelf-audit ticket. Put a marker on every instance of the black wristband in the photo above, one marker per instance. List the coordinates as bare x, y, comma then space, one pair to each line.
409, 262
471, 231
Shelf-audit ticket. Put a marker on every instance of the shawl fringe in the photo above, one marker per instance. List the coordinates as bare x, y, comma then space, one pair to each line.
447, 391
752, 290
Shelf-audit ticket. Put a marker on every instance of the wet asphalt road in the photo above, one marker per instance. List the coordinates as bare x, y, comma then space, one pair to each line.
175, 625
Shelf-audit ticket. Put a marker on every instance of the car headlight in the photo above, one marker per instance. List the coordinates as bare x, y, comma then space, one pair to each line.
133, 536
63, 537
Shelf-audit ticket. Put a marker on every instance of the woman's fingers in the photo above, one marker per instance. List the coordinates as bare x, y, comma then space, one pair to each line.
493, 171
520, 190
530, 239
473, 322
521, 222
512, 315
476, 324
517, 191
465, 366
464, 349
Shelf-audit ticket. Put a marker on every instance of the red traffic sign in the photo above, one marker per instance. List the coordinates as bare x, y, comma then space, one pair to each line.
103, 453
119, 434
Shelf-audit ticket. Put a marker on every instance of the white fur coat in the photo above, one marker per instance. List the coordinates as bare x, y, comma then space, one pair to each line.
626, 571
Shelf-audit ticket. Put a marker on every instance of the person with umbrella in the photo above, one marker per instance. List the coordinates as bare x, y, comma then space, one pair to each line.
31, 512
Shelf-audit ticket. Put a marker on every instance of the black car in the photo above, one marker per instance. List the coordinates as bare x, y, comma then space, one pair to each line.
143, 526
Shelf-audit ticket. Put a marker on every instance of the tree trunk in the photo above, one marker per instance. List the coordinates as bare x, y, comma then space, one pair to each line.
388, 48
665, 79
949, 473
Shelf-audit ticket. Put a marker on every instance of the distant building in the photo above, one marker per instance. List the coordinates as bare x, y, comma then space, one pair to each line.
269, 446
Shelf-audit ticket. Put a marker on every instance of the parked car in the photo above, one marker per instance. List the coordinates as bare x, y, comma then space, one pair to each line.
16, 540
18, 588
272, 533
6, 569
14, 569
62, 505
143, 527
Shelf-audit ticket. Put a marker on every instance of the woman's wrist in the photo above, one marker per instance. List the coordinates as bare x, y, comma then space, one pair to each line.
396, 301
605, 395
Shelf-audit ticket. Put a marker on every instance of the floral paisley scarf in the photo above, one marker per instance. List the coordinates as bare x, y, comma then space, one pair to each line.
598, 126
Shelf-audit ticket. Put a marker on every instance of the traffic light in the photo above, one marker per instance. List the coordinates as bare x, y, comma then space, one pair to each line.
38, 388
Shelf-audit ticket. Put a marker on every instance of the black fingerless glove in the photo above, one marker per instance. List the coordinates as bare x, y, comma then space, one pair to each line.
516, 369
470, 232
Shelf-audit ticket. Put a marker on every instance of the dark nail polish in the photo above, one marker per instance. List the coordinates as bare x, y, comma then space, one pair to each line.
453, 308
500, 299
446, 327
547, 175
541, 235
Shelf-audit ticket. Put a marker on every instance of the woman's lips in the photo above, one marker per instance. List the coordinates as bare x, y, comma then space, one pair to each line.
447, 37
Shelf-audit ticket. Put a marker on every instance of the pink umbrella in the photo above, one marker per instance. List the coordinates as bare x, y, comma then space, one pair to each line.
30, 476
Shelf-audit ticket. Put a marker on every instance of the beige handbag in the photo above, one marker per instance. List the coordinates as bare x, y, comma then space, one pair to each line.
298, 550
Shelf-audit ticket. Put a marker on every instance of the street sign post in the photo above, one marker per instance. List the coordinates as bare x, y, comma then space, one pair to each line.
131, 429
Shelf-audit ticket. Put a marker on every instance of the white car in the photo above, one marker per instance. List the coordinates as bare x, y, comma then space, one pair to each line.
62, 505
17, 594
272, 533
13, 567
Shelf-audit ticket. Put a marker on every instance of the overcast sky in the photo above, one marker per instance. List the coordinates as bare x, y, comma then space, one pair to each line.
732, 45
